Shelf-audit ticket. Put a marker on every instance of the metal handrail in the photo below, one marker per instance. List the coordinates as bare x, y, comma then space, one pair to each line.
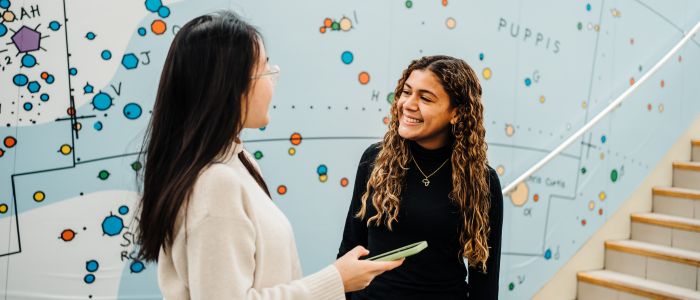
686, 37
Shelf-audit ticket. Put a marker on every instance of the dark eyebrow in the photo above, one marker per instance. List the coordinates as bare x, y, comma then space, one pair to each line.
422, 91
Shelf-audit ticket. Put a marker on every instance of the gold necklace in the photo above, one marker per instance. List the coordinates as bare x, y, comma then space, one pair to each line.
425, 180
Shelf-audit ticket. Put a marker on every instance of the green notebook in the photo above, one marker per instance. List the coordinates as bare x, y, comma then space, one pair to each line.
402, 252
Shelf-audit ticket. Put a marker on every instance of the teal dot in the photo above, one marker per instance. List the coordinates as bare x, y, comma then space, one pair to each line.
3, 30
20, 80
54, 25
164, 12
528, 81
5, 4
89, 278
97, 126
347, 57
44, 97
27, 106
92, 266
106, 54
142, 31
123, 210
73, 71
28, 61
409, 4
90, 35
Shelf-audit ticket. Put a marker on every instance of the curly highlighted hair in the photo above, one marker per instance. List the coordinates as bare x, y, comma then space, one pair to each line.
470, 187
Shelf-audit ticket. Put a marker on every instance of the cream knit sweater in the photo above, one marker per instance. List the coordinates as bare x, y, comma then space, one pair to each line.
232, 242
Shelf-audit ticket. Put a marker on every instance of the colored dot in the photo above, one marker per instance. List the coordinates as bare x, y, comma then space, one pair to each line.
5, 4
54, 25
322, 29
511, 286
444, 2
27, 106
132, 111
347, 57
73, 71
451, 23
602, 196
20, 79
603, 139
481, 56
90, 36
662, 83
3, 208
579, 26
44, 97
583, 170
528, 81
661, 107
335, 26
322, 169
106, 54
28, 61
153, 5
103, 175
102, 101
409, 4
33, 87
613, 175
327, 22
70, 111
292, 151
130, 61
385, 120
345, 24
50, 79
164, 12
65, 149
486, 73
136, 166
136, 267
142, 31
89, 278
295, 139
541, 99
39, 196
363, 77
632, 81
344, 182
67, 235
78, 126
588, 7
158, 27
281, 189
258, 155
390, 98
112, 225
536, 197
3, 30
583, 222
92, 266
591, 205
123, 210
600, 211
2, 153
10, 142
323, 178
548, 254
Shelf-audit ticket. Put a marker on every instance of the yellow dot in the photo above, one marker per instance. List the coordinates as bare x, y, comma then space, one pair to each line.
510, 130
542, 99
661, 108
39, 196
584, 104
486, 73
602, 155
591, 205
292, 151
66, 149
345, 24
602, 196
323, 178
450, 23
3, 208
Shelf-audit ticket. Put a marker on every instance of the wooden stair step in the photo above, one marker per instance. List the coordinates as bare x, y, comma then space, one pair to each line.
676, 192
687, 165
670, 221
635, 285
656, 251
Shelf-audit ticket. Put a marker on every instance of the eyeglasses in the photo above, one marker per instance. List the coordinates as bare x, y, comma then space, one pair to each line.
273, 72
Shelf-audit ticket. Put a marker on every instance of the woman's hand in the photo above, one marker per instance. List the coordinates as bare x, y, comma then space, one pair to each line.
356, 273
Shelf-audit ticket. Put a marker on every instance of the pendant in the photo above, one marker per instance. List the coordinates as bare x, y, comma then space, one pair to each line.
426, 181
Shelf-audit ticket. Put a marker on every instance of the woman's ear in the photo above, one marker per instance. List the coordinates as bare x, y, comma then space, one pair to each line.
454, 118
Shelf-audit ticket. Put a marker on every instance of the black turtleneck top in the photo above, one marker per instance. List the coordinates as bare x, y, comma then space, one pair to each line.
426, 213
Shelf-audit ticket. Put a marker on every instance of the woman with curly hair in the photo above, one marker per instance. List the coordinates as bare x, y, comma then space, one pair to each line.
429, 180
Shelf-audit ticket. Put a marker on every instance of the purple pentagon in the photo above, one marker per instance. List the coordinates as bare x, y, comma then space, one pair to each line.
26, 39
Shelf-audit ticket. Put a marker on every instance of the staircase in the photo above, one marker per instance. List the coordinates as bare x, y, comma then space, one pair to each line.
662, 258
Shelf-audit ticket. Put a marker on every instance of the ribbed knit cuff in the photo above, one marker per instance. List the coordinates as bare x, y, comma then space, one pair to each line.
325, 284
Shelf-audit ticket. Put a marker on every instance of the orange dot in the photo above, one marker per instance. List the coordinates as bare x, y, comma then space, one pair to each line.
281, 189
600, 211
327, 22
344, 182
67, 235
158, 27
44, 75
10, 142
71, 111
662, 83
583, 222
632, 81
386, 120
536, 197
2, 153
295, 139
444, 2
322, 29
364, 77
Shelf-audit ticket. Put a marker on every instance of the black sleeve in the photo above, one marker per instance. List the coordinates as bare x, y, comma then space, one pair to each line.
485, 285
355, 232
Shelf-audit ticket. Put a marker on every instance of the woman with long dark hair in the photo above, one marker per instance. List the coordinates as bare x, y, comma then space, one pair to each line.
429, 179
206, 214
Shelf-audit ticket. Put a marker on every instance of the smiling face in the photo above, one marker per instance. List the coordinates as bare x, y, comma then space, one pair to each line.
424, 110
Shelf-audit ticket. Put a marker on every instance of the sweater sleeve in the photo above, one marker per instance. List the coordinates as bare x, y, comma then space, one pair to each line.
355, 232
485, 285
221, 254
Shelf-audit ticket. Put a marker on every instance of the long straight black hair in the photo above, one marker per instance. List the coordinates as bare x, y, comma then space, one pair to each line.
196, 117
